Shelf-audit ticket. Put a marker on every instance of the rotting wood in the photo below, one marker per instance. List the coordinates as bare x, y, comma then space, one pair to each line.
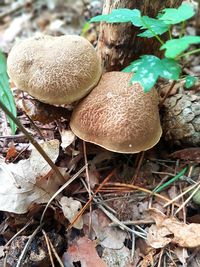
118, 44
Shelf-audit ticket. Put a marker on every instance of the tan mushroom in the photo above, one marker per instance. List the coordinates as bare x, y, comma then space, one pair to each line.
118, 116
55, 70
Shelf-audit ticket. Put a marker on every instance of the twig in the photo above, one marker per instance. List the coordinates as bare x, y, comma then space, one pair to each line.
160, 258
136, 222
123, 226
183, 193
184, 211
168, 93
56, 254
15, 136
188, 199
134, 187
141, 157
133, 244
20, 153
18, 233
49, 248
35, 127
88, 183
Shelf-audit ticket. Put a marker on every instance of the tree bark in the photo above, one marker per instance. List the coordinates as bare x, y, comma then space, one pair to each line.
118, 43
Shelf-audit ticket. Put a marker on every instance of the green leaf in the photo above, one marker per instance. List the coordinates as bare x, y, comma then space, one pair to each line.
5, 92
169, 69
153, 27
85, 28
149, 68
177, 15
175, 47
190, 81
146, 73
133, 66
120, 15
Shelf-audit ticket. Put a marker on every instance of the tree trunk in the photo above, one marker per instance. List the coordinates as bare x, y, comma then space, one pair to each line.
118, 44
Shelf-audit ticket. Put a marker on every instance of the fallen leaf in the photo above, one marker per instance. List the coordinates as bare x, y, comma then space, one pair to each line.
38, 163
50, 182
70, 208
191, 153
83, 250
67, 138
12, 152
157, 237
17, 193
170, 230
108, 236
19, 182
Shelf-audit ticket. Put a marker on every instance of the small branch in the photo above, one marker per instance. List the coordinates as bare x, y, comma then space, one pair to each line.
49, 248
168, 93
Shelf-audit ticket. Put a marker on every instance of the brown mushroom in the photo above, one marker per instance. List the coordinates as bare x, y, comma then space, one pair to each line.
55, 70
118, 116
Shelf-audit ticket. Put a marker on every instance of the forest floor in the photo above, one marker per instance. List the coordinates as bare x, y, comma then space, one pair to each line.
116, 210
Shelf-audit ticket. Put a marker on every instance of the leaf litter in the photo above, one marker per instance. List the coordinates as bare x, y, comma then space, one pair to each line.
24, 183
170, 230
100, 242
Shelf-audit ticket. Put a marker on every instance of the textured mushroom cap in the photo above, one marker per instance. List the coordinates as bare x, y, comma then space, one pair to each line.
55, 70
118, 116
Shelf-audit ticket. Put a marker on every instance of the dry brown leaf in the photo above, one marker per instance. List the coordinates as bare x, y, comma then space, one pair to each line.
171, 230
109, 237
70, 208
84, 251
191, 153
11, 152
156, 237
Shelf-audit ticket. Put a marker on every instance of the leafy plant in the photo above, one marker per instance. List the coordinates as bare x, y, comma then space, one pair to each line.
148, 68
5, 93
190, 81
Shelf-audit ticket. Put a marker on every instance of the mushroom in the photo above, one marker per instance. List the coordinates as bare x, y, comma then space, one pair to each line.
55, 70
118, 116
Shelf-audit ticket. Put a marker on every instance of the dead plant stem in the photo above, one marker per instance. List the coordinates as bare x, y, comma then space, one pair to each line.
32, 140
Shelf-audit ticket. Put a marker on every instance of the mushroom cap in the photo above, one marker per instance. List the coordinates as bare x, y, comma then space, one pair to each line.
55, 70
118, 116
